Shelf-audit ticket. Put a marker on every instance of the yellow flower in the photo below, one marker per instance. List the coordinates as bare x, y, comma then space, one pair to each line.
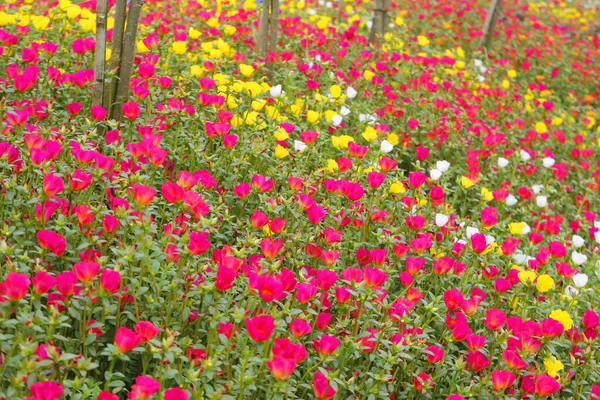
505, 84
194, 33
370, 134
335, 91
229, 30
141, 47
544, 283
557, 121
312, 116
246, 70
393, 139
281, 134
332, 165
281, 152
553, 365
368, 75
512, 73
40, 22
108, 54
423, 41
179, 47
466, 182
196, 70
563, 317
527, 277
516, 228
540, 127
258, 104
212, 22
397, 187
487, 195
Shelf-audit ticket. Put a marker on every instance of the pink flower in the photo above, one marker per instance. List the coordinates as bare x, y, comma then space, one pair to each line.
126, 340
52, 241
15, 286
260, 327
146, 330
46, 390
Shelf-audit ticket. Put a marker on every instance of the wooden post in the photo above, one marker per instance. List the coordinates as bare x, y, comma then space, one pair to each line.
274, 24
380, 20
100, 55
262, 38
490, 25
115, 57
128, 53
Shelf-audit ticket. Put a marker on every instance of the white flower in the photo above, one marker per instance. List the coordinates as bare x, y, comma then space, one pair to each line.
489, 239
471, 231
519, 257
526, 229
369, 24
580, 280
351, 92
344, 111
541, 201
329, 4
299, 145
442, 165
510, 200
478, 63
597, 236
578, 258
537, 188
597, 224
386, 147
480, 78
577, 241
275, 91
548, 162
502, 162
435, 174
336, 120
571, 291
441, 219
525, 155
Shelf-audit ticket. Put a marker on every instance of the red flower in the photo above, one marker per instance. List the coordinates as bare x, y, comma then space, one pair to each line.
126, 339
172, 192
434, 354
494, 319
416, 179
477, 361
143, 388
281, 367
422, 381
131, 110
52, 241
260, 327
453, 299
53, 185
300, 328
270, 248
43, 282
146, 330
326, 345
374, 277
546, 385
479, 242
110, 280
80, 180
199, 243
46, 390
143, 195
175, 394
502, 380
85, 271
15, 286
321, 387
104, 395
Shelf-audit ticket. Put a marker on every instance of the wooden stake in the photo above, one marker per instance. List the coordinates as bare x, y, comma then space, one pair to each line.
380, 20
274, 24
490, 25
262, 38
129, 48
115, 57
100, 55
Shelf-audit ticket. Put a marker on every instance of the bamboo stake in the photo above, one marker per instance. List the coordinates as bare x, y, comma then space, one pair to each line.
490, 25
115, 57
129, 47
100, 55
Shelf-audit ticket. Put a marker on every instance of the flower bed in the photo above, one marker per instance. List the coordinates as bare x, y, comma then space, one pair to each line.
414, 220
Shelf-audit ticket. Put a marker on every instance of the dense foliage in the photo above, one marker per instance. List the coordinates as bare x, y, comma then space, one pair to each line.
415, 219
